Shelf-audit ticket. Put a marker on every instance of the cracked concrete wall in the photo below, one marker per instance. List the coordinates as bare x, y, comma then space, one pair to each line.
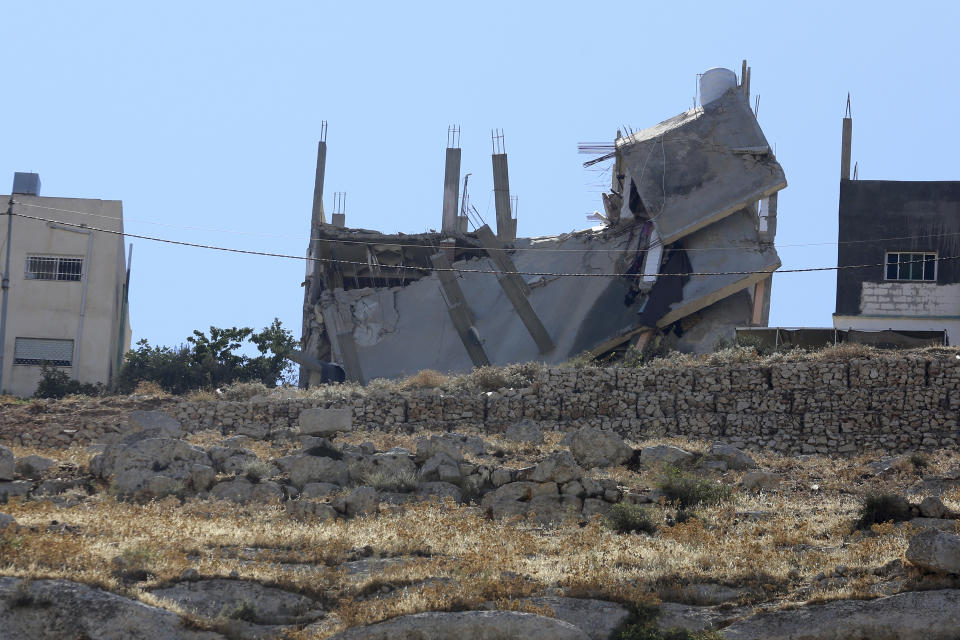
701, 166
402, 330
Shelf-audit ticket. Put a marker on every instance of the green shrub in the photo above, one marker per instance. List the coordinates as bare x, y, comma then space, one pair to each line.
629, 518
878, 508
210, 361
642, 625
919, 461
688, 491
57, 383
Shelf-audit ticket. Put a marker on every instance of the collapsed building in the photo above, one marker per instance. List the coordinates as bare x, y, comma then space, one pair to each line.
684, 256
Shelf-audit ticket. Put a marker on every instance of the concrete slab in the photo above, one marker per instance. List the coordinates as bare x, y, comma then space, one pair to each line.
701, 166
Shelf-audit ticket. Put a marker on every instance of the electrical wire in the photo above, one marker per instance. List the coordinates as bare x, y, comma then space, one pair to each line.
462, 270
731, 247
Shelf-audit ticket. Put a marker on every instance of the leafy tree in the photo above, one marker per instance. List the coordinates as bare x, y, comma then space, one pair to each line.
211, 360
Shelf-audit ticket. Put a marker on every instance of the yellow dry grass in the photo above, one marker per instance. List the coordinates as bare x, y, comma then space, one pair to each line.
774, 546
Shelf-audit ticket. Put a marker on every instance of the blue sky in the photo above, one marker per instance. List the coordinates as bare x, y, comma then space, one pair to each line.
205, 116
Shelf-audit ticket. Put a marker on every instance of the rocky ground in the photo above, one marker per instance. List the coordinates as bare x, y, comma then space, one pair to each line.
325, 531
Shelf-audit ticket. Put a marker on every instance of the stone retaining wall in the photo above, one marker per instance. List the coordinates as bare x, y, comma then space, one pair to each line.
891, 404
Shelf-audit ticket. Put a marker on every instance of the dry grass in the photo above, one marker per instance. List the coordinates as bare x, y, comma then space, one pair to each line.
774, 546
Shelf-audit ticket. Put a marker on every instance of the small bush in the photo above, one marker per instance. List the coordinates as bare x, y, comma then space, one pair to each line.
629, 518
426, 379
878, 508
642, 625
243, 391
514, 376
56, 383
400, 481
149, 388
919, 462
242, 611
688, 491
257, 470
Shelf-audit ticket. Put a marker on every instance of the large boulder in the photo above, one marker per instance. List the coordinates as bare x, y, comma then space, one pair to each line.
935, 550
59, 609
155, 424
33, 467
598, 448
467, 625
523, 498
7, 464
6, 520
453, 444
130, 466
598, 619
559, 467
326, 422
662, 454
250, 600
304, 469
526, 431
734, 458
917, 615
361, 501
441, 467
233, 459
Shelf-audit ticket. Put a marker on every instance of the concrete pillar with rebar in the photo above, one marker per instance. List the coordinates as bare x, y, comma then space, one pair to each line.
506, 223
451, 183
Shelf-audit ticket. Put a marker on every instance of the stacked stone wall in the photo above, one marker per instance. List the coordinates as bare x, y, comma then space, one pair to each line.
891, 404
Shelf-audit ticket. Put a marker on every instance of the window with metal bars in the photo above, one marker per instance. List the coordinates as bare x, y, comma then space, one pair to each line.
54, 268
902, 265
37, 351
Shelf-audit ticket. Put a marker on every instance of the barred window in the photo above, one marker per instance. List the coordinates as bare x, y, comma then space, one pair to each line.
54, 268
902, 265
36, 351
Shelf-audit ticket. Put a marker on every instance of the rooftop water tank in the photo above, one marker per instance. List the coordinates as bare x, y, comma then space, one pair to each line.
714, 83
26, 183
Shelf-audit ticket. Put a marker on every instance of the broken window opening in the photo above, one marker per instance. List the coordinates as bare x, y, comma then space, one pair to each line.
637, 208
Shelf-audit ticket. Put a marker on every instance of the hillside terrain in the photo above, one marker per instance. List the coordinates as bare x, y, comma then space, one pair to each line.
254, 513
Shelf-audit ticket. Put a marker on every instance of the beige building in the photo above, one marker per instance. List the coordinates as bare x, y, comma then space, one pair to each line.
67, 296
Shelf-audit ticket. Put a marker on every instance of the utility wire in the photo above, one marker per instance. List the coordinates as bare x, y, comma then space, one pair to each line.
462, 270
535, 249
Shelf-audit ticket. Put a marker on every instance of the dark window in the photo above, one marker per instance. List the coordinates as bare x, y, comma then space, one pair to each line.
54, 268
902, 265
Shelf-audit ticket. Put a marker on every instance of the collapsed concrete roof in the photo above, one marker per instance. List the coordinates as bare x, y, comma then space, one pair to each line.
685, 256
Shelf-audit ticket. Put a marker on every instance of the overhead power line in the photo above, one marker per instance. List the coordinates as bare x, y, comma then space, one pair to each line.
533, 249
460, 270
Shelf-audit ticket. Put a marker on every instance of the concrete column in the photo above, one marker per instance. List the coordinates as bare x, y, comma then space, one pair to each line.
318, 216
313, 282
516, 289
846, 148
451, 192
506, 225
460, 312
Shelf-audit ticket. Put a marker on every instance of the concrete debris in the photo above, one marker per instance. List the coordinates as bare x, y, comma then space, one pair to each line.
685, 256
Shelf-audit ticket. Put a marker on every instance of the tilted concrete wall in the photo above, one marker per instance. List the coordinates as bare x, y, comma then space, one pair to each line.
891, 405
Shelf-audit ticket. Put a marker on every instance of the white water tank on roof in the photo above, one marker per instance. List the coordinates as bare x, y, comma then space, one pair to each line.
714, 83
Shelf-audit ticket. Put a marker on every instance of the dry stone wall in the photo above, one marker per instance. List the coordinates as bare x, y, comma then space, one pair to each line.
890, 404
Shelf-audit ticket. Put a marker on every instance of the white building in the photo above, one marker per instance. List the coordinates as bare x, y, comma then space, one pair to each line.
67, 296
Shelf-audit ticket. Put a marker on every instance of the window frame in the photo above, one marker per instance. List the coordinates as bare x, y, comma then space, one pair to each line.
58, 273
39, 362
924, 256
